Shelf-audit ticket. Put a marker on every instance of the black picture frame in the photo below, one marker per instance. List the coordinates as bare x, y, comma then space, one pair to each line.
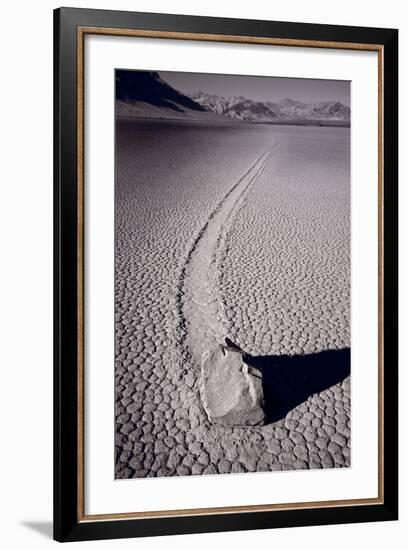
69, 523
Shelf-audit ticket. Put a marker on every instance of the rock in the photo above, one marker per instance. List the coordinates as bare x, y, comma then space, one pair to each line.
231, 390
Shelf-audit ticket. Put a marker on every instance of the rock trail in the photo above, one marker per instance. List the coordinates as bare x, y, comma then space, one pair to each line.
202, 320
203, 324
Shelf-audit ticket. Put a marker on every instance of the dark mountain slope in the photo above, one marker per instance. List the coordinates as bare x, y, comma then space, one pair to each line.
148, 87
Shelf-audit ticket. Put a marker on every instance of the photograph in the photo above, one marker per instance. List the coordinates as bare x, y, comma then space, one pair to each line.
232, 274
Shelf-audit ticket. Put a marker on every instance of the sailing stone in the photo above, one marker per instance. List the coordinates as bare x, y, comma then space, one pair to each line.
231, 390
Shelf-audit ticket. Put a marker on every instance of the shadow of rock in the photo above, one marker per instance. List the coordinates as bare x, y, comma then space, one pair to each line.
289, 380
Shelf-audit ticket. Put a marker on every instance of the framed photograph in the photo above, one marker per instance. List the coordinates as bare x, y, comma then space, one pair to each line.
225, 274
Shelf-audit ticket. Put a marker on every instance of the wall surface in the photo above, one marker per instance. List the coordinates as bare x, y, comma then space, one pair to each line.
26, 272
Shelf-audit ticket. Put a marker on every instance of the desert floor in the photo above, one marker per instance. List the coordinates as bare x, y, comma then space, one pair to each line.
238, 230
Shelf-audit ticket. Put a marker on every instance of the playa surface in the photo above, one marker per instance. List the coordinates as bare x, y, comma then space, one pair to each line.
238, 230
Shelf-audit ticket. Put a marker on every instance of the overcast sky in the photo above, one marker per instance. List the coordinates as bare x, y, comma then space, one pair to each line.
261, 88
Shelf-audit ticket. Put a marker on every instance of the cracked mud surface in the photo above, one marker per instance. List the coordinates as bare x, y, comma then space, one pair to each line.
227, 231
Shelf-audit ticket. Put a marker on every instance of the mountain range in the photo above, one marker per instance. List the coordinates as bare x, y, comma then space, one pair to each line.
243, 108
145, 94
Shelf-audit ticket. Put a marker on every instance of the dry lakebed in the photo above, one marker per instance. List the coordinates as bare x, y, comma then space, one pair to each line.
239, 231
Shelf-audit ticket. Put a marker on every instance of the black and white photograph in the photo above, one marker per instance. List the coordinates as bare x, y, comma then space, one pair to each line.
232, 274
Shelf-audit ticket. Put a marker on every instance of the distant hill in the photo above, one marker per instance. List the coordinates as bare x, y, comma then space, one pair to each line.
243, 108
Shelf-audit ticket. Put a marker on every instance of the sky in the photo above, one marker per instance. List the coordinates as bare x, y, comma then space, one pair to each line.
261, 88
